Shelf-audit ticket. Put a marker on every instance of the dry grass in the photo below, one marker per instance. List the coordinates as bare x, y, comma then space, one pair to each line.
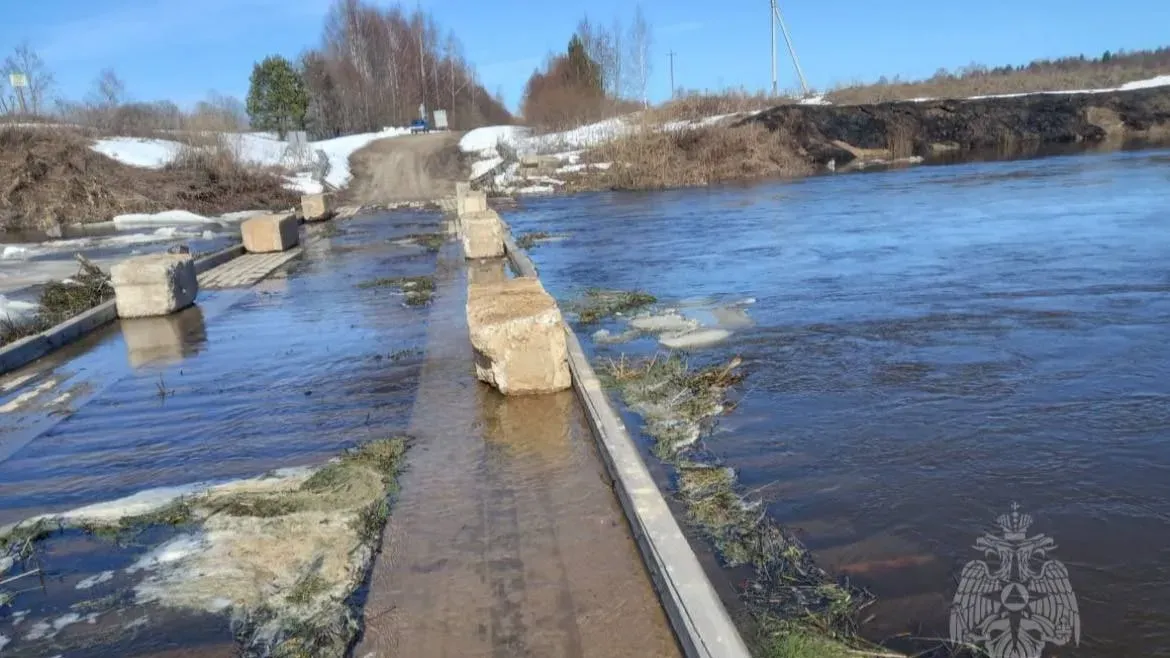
50, 177
1041, 75
60, 301
650, 158
693, 107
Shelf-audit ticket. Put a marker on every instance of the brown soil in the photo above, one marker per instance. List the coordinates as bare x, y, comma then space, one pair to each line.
408, 168
52, 177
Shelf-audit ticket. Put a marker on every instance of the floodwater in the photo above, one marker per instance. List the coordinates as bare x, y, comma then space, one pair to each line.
925, 347
30, 259
288, 372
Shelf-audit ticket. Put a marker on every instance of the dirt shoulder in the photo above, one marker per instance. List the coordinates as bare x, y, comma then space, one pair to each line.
408, 168
1010, 126
51, 177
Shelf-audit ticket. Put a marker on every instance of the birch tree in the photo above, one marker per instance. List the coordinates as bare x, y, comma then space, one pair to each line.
640, 42
40, 81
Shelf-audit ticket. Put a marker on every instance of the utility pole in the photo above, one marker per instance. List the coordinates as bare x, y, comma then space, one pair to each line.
671, 53
778, 18
772, 24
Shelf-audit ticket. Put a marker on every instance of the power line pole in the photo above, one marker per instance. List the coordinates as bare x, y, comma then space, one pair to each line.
772, 25
671, 53
778, 18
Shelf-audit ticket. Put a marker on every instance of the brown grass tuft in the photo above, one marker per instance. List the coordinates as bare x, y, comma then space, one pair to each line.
693, 107
651, 158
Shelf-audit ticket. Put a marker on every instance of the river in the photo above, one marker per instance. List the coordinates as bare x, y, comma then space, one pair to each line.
924, 348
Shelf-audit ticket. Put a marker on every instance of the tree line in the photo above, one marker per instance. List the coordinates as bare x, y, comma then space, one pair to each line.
373, 67
605, 70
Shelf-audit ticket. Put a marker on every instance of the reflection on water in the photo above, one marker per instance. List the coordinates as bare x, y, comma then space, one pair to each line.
164, 340
929, 346
285, 373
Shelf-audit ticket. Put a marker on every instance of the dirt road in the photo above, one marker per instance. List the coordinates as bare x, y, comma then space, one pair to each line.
409, 168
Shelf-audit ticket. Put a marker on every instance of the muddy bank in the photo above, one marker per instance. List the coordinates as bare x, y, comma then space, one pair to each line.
844, 133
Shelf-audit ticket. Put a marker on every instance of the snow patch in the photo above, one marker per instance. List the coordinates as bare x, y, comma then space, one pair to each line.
536, 189
481, 167
4, 641
136, 152
484, 140
166, 217
169, 553
693, 339
97, 579
15, 311
260, 149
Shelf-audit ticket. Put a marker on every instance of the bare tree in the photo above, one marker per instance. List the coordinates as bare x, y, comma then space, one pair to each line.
640, 41
35, 96
108, 90
618, 72
376, 65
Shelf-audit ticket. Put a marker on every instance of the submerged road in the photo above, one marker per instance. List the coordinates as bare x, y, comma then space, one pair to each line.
505, 540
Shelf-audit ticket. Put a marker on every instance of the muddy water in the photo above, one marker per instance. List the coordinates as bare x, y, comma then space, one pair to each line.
506, 539
925, 348
284, 373
287, 372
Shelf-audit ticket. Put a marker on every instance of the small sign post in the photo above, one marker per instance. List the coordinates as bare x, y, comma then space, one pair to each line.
19, 81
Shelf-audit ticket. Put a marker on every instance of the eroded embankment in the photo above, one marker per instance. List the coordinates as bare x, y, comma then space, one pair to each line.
1009, 126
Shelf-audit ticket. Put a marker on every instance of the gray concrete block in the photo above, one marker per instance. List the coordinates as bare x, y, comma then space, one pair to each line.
153, 285
269, 233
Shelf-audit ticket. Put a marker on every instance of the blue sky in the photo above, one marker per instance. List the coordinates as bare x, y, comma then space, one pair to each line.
181, 49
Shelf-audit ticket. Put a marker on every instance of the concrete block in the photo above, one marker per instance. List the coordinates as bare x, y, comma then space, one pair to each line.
519, 337
317, 207
472, 202
167, 339
461, 189
489, 270
482, 234
158, 284
268, 233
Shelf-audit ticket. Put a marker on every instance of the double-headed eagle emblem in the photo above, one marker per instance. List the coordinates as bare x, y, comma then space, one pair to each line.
1016, 609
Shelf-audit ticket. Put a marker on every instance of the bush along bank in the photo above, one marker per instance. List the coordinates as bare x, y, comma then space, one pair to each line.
281, 556
794, 607
59, 301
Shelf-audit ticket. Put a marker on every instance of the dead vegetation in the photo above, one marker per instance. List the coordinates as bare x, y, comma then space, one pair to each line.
1107, 71
417, 290
284, 553
696, 106
794, 604
61, 300
50, 177
657, 159
530, 239
597, 304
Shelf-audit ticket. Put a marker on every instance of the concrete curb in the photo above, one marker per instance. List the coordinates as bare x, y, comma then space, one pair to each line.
700, 620
27, 350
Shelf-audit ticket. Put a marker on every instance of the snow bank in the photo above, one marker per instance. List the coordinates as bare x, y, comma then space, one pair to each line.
15, 311
261, 149
167, 217
481, 167
147, 153
484, 140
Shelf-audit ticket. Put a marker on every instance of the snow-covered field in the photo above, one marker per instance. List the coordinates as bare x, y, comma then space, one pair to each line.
262, 149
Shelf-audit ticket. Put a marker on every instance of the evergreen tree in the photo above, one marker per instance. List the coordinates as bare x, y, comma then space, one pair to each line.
586, 72
277, 99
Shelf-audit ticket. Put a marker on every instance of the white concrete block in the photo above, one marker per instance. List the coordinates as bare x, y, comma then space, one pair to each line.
157, 284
